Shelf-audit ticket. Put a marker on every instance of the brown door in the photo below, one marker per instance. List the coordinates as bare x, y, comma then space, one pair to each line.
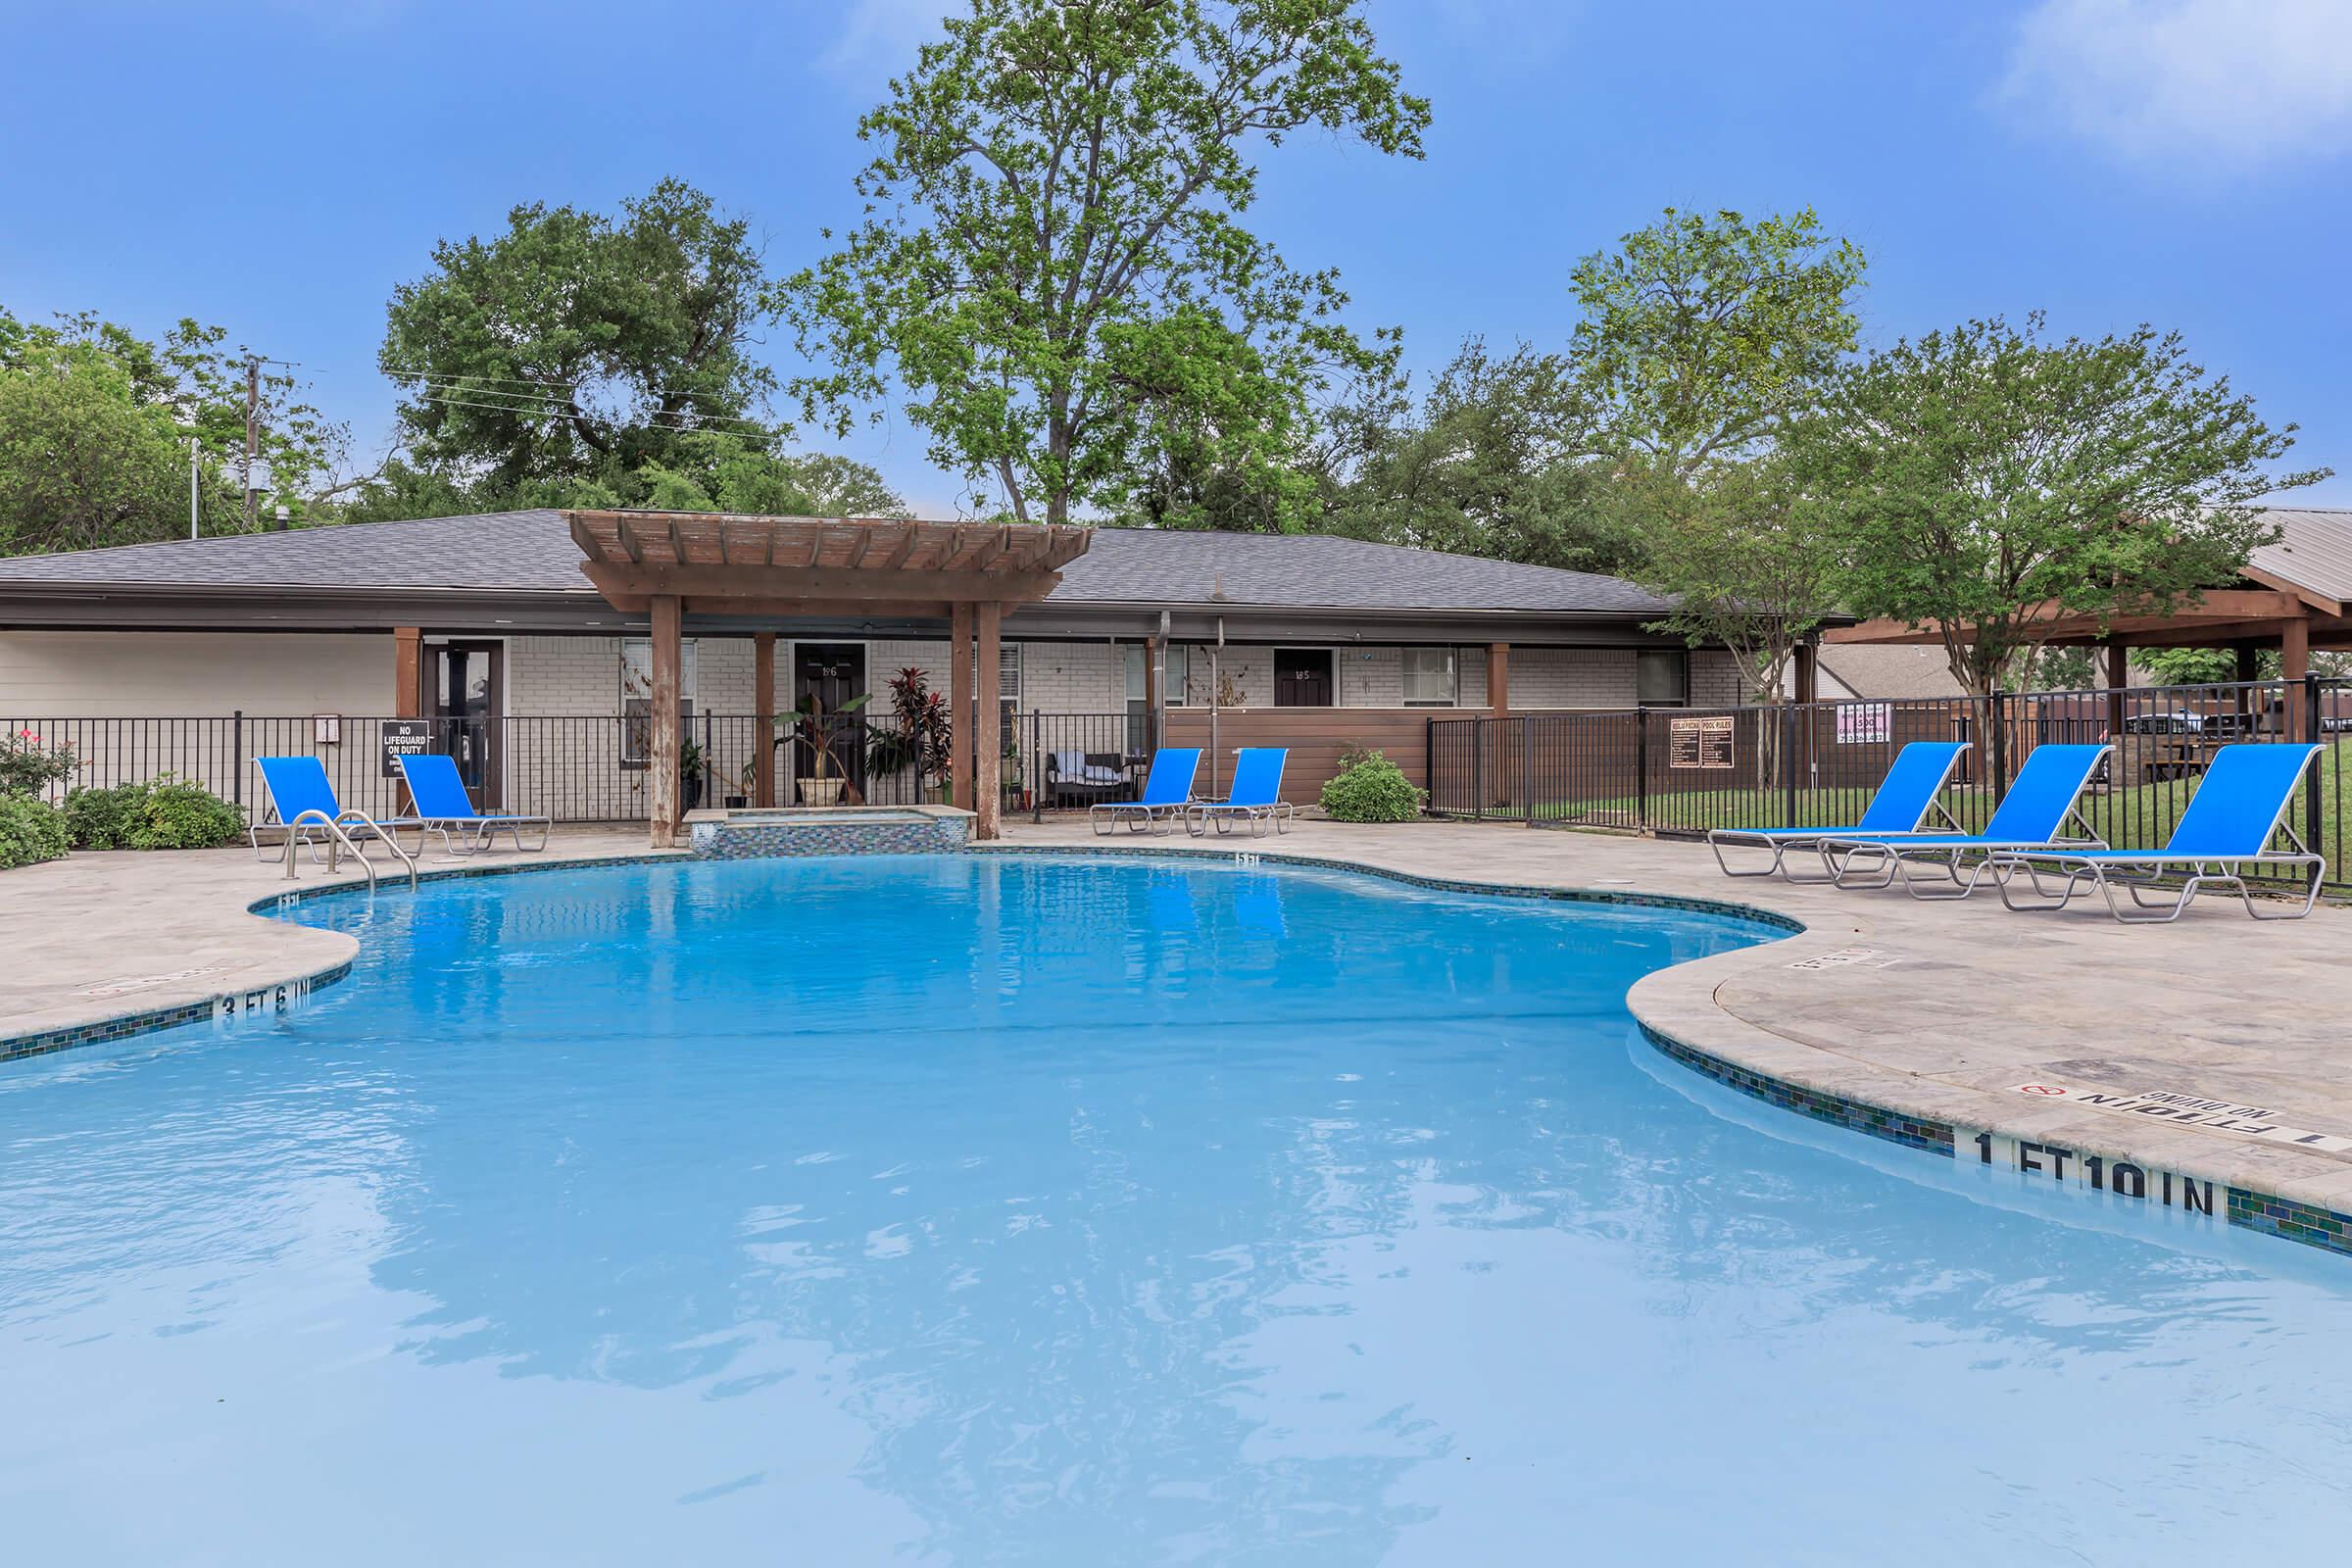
835, 674
469, 695
1301, 677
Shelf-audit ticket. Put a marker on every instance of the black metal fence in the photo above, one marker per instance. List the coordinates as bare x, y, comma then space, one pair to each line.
1681, 771
592, 768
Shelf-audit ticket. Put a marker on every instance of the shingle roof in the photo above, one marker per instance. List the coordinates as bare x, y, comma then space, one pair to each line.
531, 551
2313, 550
526, 552
1892, 671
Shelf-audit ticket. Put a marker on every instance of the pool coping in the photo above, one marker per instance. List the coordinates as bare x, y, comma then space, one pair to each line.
1674, 1008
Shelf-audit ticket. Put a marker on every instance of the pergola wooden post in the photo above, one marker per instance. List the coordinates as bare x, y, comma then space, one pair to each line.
2294, 665
763, 735
959, 703
662, 746
988, 789
673, 566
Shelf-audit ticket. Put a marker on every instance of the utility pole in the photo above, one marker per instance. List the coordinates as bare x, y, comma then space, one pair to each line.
191, 487
253, 428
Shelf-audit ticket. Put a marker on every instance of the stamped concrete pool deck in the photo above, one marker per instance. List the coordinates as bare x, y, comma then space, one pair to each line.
1934, 1010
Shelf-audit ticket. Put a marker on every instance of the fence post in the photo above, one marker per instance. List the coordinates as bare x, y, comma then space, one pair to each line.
1477, 771
1641, 769
236, 754
1527, 765
1997, 717
1429, 761
2315, 729
1789, 761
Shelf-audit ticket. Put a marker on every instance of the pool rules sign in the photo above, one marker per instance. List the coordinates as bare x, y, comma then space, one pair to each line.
399, 738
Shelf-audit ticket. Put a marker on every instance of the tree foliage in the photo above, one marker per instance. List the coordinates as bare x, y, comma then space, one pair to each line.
576, 346
95, 424
1499, 460
1053, 265
1747, 557
585, 360
1700, 338
1980, 474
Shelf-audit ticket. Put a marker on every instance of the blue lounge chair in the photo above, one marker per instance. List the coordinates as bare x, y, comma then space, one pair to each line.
2239, 807
1256, 797
442, 804
1904, 798
1167, 791
303, 799
2033, 815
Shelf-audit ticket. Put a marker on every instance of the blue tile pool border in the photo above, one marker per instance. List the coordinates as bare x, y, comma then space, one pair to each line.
2287, 1219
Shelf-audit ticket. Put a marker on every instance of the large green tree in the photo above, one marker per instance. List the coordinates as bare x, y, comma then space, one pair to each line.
1981, 473
83, 460
1498, 458
1704, 335
99, 421
1702, 340
580, 359
1056, 204
577, 345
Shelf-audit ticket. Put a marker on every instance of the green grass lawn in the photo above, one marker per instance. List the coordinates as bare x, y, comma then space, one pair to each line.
2135, 817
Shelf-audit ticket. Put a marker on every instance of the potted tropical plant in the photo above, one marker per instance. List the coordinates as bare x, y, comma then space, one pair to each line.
813, 727
922, 741
693, 766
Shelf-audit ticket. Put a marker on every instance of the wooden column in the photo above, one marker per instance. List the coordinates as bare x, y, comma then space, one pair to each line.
2119, 676
987, 745
407, 672
960, 704
2294, 665
661, 749
763, 702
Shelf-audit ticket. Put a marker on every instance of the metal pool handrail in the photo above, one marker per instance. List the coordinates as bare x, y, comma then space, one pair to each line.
337, 836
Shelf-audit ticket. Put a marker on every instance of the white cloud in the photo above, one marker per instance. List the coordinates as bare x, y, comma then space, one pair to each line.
879, 37
2231, 82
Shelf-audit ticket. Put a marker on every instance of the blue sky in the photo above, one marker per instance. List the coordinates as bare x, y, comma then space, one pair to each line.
279, 168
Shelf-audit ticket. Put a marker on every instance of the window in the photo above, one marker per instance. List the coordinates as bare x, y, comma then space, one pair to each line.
637, 694
1008, 696
1431, 678
1180, 679
1662, 677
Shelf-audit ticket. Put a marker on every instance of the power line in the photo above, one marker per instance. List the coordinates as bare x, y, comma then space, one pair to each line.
667, 419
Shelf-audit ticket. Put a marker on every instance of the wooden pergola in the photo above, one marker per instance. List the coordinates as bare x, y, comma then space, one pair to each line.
2276, 614
669, 565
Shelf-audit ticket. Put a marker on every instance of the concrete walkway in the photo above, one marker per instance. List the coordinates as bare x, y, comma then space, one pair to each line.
1937, 1011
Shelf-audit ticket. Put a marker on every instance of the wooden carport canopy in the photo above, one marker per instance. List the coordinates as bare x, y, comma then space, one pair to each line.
670, 565
2293, 618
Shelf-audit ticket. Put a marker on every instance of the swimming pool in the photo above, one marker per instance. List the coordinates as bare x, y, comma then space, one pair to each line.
1053, 1209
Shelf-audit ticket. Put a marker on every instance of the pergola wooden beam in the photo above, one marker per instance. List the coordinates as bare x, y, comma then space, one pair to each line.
2229, 610
669, 565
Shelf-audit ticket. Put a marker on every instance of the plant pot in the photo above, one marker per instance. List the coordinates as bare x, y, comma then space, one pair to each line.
690, 793
820, 791
736, 803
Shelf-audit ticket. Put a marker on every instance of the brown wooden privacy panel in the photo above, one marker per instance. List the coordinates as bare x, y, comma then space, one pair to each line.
1317, 738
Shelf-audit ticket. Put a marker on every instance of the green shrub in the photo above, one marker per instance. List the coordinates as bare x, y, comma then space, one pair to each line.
28, 765
178, 816
1372, 790
101, 819
30, 830
163, 814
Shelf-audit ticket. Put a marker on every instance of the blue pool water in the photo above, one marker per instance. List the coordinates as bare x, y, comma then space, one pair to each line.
970, 1210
